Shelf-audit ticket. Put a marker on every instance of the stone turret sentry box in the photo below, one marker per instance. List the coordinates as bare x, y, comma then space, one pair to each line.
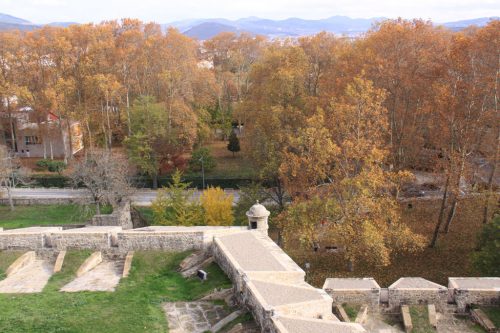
257, 217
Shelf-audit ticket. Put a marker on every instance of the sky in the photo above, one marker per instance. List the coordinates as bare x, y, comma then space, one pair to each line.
164, 11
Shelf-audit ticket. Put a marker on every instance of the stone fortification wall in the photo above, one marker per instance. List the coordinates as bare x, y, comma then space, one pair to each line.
409, 291
353, 291
45, 201
120, 217
271, 286
102, 238
474, 291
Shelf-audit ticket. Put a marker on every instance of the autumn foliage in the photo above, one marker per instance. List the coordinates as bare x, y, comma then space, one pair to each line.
334, 123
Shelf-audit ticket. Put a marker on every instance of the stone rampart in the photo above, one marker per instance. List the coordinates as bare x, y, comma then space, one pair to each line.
353, 291
475, 291
410, 291
33, 238
119, 217
176, 239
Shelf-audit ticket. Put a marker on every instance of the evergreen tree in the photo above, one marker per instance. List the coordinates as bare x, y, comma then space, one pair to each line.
234, 143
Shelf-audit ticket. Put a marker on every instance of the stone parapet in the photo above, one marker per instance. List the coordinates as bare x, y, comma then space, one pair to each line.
414, 291
33, 238
474, 291
353, 291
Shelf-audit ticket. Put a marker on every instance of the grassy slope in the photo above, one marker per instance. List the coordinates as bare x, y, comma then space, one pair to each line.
25, 216
450, 258
133, 307
228, 166
420, 319
494, 314
7, 258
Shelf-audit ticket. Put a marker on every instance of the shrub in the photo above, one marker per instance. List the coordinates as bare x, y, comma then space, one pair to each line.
51, 165
173, 206
56, 166
208, 160
487, 260
217, 207
234, 143
44, 164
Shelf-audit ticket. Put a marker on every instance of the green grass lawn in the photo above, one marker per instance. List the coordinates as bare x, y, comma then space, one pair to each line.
134, 307
493, 313
351, 310
146, 213
420, 319
7, 258
228, 166
39, 215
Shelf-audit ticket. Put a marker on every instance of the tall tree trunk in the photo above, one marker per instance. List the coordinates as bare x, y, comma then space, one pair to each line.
155, 181
489, 188
451, 214
129, 123
9, 195
456, 194
68, 154
52, 151
441, 214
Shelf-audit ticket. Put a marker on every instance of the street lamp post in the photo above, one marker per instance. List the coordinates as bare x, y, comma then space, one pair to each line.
202, 172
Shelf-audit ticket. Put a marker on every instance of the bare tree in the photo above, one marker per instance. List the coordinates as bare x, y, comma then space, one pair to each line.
12, 173
105, 176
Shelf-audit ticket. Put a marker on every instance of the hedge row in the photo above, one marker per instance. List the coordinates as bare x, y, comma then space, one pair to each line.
145, 182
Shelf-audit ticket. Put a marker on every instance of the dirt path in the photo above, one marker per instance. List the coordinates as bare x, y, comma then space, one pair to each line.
104, 277
30, 279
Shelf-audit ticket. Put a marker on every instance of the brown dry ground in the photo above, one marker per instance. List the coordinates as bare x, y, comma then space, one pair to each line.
451, 258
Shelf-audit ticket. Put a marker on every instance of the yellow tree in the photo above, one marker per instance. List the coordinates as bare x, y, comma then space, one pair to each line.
217, 207
356, 205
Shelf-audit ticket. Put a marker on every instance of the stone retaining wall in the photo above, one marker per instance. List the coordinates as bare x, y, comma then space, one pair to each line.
33, 238
45, 201
414, 291
175, 239
475, 291
398, 297
120, 217
361, 291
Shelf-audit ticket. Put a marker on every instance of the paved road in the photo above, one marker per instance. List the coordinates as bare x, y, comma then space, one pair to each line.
140, 197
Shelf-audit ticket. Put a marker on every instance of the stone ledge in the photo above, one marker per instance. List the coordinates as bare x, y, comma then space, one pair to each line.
21, 262
89, 263
59, 261
128, 263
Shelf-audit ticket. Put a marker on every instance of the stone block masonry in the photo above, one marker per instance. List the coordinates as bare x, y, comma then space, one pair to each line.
272, 286
93, 238
353, 291
33, 238
475, 291
414, 291
120, 217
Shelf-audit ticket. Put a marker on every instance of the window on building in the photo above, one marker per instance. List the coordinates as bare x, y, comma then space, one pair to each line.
31, 140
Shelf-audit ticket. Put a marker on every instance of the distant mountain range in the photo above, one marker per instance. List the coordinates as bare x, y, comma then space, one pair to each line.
8, 22
207, 28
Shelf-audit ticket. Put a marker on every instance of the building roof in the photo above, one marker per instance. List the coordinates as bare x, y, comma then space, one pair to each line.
258, 210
